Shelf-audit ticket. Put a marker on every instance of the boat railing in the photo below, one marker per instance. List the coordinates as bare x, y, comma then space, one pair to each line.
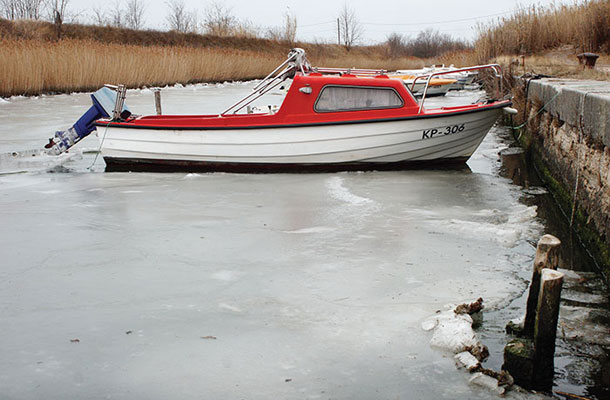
296, 61
349, 71
494, 67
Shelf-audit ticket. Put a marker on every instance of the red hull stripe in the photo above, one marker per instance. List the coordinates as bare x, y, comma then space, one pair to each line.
497, 105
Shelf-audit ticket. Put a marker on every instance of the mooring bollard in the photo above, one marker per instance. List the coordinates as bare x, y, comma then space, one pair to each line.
546, 257
158, 101
587, 60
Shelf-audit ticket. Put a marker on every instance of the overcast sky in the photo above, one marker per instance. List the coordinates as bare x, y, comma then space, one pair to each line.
316, 19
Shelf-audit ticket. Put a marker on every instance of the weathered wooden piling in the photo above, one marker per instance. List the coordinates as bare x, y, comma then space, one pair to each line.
546, 257
158, 101
529, 358
545, 331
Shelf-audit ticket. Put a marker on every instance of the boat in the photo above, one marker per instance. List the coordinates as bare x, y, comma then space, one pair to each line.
438, 86
330, 119
463, 79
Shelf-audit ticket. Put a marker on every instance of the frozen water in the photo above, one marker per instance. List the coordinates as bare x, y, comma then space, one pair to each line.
190, 286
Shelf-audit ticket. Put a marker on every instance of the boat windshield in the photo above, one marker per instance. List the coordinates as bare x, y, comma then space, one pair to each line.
350, 98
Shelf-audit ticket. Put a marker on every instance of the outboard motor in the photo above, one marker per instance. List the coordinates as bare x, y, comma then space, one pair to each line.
106, 104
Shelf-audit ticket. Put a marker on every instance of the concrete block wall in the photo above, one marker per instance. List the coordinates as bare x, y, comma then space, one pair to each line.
572, 139
575, 99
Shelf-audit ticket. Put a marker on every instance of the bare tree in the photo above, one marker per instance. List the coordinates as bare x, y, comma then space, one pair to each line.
57, 13
285, 33
134, 14
9, 9
32, 8
350, 29
219, 20
99, 16
179, 18
116, 16
290, 26
396, 45
21, 9
57, 9
431, 43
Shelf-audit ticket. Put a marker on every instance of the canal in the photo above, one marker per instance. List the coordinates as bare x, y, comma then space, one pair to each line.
153, 286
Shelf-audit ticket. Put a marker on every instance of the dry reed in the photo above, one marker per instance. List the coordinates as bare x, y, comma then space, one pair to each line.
32, 67
532, 30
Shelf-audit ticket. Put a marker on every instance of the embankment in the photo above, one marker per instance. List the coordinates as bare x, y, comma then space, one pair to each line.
567, 136
33, 60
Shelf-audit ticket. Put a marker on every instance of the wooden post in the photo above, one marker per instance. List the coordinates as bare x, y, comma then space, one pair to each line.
158, 101
546, 257
531, 361
545, 331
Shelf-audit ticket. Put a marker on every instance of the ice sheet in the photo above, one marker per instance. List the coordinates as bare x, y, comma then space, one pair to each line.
215, 286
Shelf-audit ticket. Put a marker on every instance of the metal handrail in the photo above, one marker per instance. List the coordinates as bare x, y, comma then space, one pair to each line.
296, 61
495, 67
355, 71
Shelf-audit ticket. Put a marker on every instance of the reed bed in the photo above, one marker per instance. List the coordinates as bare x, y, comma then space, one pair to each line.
34, 67
464, 58
528, 31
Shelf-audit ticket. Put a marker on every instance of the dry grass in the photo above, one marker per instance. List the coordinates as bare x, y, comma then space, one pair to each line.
463, 58
33, 67
561, 63
533, 30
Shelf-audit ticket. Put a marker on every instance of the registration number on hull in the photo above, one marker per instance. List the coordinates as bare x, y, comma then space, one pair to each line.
448, 130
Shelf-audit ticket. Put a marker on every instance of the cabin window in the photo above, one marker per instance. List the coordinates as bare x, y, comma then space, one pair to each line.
351, 98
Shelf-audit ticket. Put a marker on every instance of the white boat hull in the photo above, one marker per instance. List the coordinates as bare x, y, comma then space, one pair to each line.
362, 145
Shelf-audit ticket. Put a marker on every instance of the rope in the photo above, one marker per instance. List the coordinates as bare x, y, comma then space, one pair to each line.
538, 113
572, 396
99, 150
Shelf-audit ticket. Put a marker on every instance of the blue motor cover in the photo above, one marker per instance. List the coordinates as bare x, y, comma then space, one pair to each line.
103, 104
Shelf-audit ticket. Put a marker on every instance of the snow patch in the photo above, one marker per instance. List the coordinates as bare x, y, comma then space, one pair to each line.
229, 307
34, 160
314, 229
339, 192
535, 191
453, 332
225, 276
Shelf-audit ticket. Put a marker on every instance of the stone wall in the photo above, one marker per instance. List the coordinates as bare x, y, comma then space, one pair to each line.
570, 139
